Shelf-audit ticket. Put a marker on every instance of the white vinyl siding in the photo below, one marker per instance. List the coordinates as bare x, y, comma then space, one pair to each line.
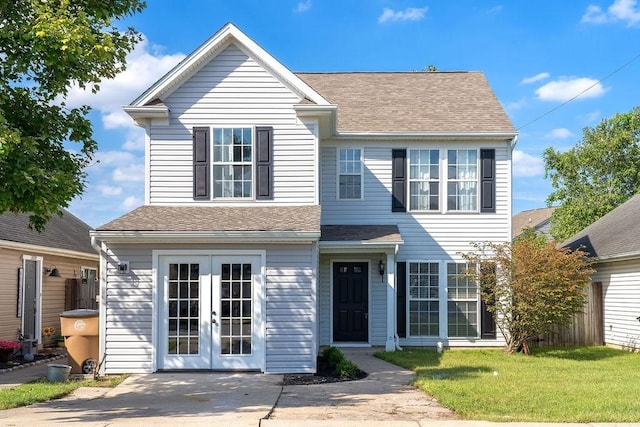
290, 332
232, 90
621, 300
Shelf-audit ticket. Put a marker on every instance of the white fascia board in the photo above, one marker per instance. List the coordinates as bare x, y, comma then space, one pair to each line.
45, 250
440, 136
358, 245
618, 257
147, 112
221, 39
312, 110
207, 236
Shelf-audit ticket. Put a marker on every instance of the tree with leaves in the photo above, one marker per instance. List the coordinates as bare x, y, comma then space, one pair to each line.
529, 285
47, 46
600, 173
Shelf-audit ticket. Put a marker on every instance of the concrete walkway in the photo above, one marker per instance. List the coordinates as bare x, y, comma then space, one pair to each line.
227, 399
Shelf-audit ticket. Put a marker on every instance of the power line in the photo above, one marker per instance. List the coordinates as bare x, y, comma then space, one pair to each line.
581, 93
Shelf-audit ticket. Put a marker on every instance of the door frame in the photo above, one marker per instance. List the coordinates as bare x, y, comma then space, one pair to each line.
331, 285
260, 326
38, 293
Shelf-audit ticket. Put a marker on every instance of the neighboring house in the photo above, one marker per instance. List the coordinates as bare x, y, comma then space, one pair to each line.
44, 274
539, 220
284, 212
614, 242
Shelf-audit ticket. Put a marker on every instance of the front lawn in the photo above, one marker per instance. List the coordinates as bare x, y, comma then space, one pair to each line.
587, 384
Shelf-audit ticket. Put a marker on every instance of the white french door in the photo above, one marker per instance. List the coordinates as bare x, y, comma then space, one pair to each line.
210, 312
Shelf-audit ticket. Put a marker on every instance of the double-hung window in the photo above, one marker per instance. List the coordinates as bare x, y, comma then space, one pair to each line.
232, 162
424, 184
350, 173
462, 180
463, 302
424, 310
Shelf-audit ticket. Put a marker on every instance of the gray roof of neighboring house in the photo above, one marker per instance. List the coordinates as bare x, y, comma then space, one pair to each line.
532, 218
614, 235
65, 232
361, 233
218, 218
412, 101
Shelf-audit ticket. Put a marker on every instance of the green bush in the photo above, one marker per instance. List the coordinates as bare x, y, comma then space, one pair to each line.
346, 369
333, 356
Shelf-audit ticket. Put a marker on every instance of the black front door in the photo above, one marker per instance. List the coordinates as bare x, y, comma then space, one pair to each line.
350, 302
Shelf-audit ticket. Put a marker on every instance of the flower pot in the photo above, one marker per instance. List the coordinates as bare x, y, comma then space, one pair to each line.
57, 373
6, 355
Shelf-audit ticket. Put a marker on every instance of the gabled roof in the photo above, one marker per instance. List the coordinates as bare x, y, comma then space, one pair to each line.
149, 104
414, 102
615, 235
66, 232
533, 218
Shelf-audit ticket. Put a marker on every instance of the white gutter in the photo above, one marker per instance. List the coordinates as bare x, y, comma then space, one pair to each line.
442, 136
208, 236
618, 257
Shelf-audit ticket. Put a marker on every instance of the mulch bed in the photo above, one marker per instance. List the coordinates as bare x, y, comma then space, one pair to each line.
19, 362
323, 375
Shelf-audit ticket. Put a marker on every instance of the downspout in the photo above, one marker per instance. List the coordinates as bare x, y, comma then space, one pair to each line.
395, 306
102, 307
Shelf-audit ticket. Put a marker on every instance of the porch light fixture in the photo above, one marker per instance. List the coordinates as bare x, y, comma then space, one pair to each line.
381, 269
52, 271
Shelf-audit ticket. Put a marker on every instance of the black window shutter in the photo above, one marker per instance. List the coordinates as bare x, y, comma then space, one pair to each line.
399, 181
488, 180
201, 163
264, 163
487, 321
401, 299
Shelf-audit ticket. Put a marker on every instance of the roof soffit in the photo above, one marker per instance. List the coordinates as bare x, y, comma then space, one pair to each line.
226, 36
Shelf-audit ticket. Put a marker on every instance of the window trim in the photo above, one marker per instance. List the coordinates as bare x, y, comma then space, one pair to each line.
438, 180
447, 181
339, 174
409, 298
213, 163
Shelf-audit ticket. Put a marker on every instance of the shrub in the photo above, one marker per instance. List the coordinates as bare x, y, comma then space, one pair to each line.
333, 356
346, 369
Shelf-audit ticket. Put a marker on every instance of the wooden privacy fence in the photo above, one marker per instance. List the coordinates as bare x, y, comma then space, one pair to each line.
587, 328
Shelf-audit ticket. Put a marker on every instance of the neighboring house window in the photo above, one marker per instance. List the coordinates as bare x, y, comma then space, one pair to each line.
232, 162
462, 304
350, 173
424, 313
424, 174
462, 180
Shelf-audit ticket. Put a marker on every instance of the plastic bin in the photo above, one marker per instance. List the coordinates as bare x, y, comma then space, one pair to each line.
80, 329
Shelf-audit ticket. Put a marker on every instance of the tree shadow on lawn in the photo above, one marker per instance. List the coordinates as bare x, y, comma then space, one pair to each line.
586, 354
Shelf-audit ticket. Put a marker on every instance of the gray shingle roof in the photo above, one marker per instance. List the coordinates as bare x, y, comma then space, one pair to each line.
411, 101
218, 218
66, 232
529, 219
615, 234
360, 233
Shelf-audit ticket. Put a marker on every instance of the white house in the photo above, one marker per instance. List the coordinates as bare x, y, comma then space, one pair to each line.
287, 211
614, 243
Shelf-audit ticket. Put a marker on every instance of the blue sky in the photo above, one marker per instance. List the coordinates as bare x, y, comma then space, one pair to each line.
536, 56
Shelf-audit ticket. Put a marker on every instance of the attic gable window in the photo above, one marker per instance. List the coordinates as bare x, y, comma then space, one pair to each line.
232, 162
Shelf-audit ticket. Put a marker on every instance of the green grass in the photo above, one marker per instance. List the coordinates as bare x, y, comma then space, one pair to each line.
588, 384
42, 390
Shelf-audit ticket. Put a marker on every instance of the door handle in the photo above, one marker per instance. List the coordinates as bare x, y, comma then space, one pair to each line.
213, 318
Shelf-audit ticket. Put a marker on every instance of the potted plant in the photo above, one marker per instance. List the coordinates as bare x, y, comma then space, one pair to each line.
7, 348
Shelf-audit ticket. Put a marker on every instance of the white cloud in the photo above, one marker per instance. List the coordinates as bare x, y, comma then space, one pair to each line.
536, 78
560, 133
516, 105
135, 140
109, 190
145, 65
526, 165
108, 158
567, 88
620, 10
130, 203
590, 117
303, 6
409, 14
129, 173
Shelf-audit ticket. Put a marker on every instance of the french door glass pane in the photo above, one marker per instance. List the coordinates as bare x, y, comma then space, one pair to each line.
236, 307
184, 309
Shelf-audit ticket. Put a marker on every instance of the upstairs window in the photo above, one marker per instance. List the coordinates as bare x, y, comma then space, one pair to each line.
424, 180
349, 173
232, 162
462, 180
